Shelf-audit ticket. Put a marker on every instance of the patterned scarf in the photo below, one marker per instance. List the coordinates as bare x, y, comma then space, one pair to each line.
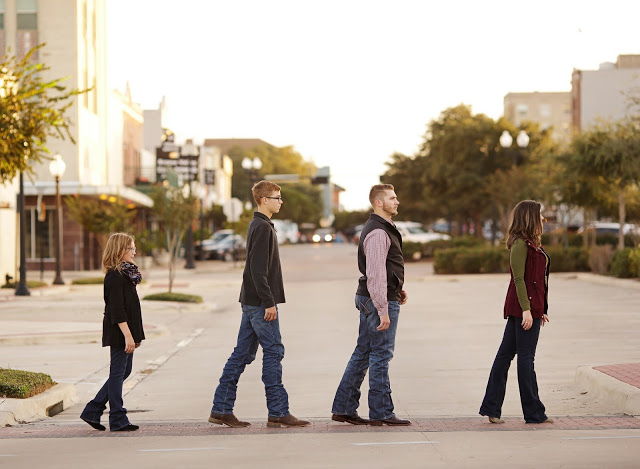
131, 271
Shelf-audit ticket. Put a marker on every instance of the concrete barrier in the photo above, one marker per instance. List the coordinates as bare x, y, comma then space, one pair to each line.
621, 397
43, 405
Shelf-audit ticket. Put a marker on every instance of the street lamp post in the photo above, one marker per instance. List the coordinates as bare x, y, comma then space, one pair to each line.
202, 192
522, 140
252, 167
21, 288
56, 168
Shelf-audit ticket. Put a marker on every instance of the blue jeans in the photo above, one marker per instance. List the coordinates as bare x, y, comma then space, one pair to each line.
523, 343
254, 330
373, 351
111, 392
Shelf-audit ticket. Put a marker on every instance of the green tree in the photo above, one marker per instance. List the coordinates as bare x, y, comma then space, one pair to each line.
302, 203
31, 111
100, 218
611, 151
175, 212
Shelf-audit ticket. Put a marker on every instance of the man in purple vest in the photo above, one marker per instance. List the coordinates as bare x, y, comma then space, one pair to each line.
378, 299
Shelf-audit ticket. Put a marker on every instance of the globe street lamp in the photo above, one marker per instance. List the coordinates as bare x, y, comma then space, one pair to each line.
252, 167
56, 168
522, 140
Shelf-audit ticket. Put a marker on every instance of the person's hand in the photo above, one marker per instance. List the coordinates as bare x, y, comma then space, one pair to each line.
270, 314
138, 344
403, 297
384, 323
129, 344
545, 318
527, 320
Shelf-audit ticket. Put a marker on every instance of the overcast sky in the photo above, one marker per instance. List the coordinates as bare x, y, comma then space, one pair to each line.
349, 82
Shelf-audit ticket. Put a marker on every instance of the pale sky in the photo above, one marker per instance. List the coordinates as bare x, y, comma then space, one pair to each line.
349, 82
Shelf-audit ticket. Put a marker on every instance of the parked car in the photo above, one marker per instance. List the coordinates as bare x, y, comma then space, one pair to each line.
414, 232
611, 228
231, 248
207, 243
287, 231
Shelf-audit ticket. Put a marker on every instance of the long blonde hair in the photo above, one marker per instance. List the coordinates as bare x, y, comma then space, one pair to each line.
525, 223
117, 246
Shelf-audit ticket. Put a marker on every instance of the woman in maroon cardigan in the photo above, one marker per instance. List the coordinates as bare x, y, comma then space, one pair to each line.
525, 309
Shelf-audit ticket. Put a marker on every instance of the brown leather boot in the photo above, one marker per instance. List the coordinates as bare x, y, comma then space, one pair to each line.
286, 421
227, 419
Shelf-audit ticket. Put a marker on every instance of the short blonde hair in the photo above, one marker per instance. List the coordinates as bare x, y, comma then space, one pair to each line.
264, 189
377, 190
117, 246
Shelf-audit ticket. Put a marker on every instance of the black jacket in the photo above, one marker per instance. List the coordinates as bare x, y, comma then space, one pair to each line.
394, 263
121, 304
262, 277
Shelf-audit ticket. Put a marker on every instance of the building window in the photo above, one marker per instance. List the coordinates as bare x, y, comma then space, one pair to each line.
39, 239
2, 42
522, 109
27, 27
545, 110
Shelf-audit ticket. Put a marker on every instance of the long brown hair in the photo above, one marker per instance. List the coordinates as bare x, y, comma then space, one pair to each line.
117, 246
525, 223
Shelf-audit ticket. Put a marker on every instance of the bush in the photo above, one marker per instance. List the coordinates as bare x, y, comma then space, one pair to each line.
22, 384
571, 259
622, 263
88, 281
30, 284
496, 260
600, 258
412, 250
182, 297
478, 260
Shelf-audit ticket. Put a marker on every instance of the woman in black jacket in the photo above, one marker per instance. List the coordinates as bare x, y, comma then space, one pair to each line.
121, 330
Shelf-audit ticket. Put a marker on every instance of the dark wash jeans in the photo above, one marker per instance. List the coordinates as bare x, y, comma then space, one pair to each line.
523, 343
111, 392
254, 330
373, 351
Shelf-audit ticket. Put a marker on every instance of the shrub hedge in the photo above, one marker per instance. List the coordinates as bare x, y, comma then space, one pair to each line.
181, 297
496, 259
22, 384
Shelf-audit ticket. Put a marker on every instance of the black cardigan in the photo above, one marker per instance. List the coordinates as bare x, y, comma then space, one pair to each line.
121, 304
262, 277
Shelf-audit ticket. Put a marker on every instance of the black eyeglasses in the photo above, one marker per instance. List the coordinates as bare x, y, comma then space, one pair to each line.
276, 198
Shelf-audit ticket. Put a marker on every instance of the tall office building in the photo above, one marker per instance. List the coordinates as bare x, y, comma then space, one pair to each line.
604, 93
549, 109
75, 35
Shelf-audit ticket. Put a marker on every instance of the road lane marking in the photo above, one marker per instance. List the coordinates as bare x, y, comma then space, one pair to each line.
600, 437
153, 365
164, 450
397, 443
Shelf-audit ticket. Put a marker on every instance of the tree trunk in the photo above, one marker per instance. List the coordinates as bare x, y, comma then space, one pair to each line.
622, 214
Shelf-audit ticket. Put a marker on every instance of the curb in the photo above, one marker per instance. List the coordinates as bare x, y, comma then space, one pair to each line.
82, 337
47, 404
622, 397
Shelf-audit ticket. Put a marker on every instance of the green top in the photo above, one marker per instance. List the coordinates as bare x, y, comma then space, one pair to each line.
518, 259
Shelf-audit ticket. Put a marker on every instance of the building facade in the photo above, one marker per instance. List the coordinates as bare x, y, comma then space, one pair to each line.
549, 109
604, 94
106, 127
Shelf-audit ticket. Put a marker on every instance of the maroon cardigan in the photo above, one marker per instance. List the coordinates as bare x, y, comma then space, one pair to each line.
536, 276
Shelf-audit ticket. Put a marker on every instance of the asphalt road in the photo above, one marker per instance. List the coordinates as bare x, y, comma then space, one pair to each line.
447, 337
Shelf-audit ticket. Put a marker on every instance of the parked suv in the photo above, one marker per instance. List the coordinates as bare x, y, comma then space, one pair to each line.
414, 232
